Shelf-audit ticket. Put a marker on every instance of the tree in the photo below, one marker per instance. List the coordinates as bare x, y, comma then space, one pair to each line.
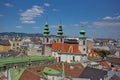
103, 53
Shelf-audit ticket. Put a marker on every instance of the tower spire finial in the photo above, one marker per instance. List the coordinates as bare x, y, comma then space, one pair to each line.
46, 23
46, 29
60, 22
60, 32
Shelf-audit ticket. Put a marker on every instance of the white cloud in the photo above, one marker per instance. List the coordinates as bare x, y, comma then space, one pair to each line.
28, 22
79, 24
112, 18
107, 18
29, 15
118, 17
47, 4
18, 27
106, 24
55, 10
8, 5
53, 26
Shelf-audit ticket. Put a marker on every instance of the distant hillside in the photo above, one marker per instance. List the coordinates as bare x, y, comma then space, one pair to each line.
14, 34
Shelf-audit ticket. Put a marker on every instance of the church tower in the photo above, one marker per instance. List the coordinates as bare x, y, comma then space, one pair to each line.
60, 35
46, 32
82, 41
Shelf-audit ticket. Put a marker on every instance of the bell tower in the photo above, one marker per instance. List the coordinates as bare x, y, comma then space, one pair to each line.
46, 32
82, 41
60, 34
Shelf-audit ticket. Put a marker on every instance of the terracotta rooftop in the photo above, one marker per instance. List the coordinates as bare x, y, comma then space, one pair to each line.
3, 77
66, 48
73, 70
93, 55
29, 75
105, 64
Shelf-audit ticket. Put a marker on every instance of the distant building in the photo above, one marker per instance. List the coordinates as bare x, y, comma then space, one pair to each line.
90, 45
16, 43
104, 43
35, 47
10, 53
114, 58
113, 75
4, 45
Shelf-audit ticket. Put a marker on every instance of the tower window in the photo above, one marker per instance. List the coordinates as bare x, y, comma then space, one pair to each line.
47, 40
59, 59
83, 49
84, 42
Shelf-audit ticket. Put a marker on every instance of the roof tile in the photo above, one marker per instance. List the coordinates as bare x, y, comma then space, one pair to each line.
66, 48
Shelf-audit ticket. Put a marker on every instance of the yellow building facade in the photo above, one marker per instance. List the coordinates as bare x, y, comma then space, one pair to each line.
5, 48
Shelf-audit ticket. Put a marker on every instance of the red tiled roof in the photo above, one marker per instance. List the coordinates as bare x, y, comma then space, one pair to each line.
93, 55
66, 48
3, 77
29, 75
104, 63
74, 72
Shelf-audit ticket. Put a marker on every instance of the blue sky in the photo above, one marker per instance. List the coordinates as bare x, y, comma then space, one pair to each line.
101, 18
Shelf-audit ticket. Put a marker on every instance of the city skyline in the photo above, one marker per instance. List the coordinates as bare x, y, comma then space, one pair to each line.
100, 18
